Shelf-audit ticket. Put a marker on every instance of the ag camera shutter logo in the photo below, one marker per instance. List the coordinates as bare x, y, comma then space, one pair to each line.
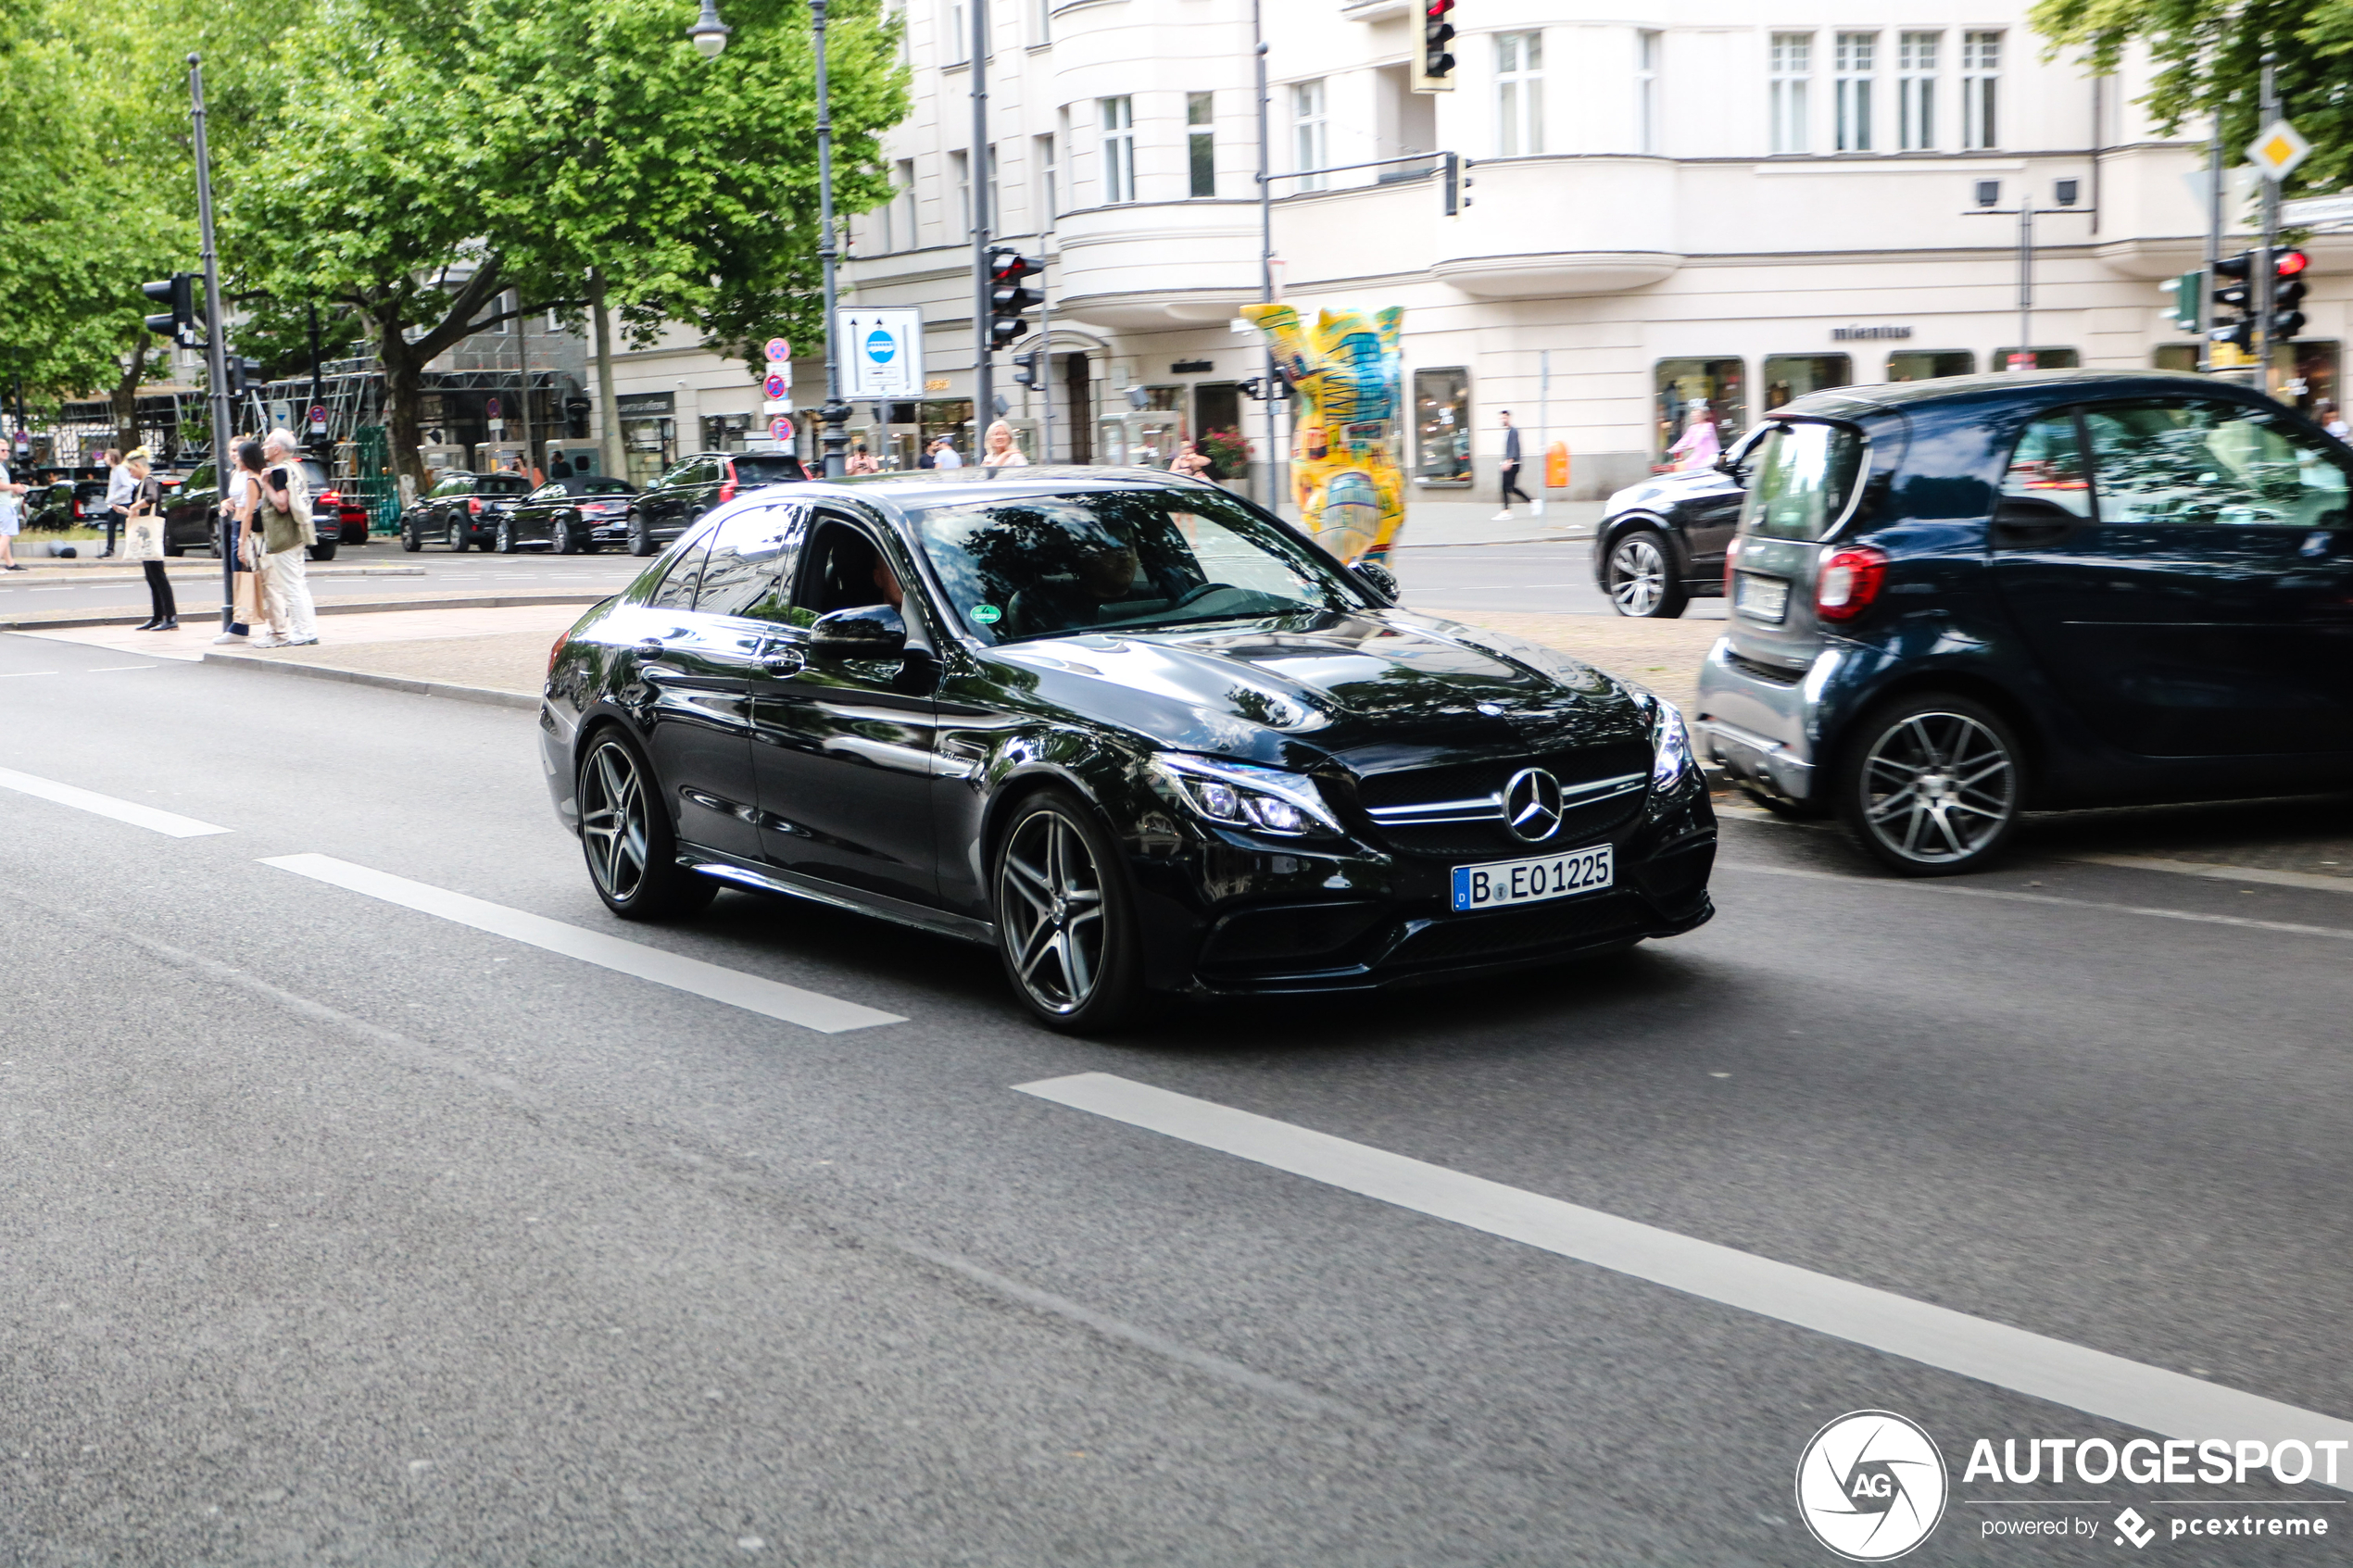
1872, 1485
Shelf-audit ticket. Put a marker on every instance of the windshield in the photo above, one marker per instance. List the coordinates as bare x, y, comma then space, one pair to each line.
501, 484
1799, 480
1045, 565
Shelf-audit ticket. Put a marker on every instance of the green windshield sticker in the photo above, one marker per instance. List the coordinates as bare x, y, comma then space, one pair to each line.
987, 614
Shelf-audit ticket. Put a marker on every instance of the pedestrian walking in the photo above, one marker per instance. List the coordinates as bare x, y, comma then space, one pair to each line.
2331, 421
862, 461
11, 517
1000, 451
283, 508
945, 456
1698, 446
1510, 470
239, 491
120, 484
142, 540
1190, 462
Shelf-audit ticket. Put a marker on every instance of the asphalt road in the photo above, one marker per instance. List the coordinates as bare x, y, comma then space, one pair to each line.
338, 1230
26, 594
1542, 579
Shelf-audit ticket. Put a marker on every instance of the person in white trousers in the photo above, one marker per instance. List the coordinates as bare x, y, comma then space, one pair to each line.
286, 538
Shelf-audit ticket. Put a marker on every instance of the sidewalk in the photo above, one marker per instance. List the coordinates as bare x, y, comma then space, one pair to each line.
1430, 523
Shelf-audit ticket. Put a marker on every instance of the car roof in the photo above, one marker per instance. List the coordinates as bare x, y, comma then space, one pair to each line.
936, 487
2033, 387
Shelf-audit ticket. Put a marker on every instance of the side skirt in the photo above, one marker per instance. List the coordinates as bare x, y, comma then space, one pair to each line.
771, 879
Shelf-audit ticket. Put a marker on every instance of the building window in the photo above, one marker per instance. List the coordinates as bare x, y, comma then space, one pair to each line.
1519, 93
1681, 387
996, 214
1441, 427
1857, 58
1042, 19
1981, 82
1119, 150
1307, 131
1916, 91
1049, 198
901, 210
960, 167
959, 26
1927, 364
1793, 67
1646, 90
1792, 376
2039, 359
1201, 143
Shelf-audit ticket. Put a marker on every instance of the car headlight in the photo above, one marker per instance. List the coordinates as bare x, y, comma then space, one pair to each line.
1670, 747
1244, 796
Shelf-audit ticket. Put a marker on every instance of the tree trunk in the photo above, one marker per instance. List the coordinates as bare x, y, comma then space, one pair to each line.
126, 399
608, 406
404, 396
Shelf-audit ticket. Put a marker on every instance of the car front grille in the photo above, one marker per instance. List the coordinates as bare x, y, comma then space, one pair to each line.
1458, 809
1565, 922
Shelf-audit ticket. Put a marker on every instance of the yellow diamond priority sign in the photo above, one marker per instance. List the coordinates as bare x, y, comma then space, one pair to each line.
2277, 149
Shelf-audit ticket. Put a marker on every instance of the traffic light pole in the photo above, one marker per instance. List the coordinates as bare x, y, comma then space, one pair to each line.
1267, 256
2264, 281
216, 344
836, 413
977, 177
2213, 246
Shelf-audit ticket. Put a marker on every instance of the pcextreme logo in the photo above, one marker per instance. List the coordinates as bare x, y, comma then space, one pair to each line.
1872, 1485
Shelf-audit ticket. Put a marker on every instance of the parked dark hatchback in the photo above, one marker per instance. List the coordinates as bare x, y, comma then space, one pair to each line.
1661, 543
1138, 735
694, 485
570, 516
462, 509
1956, 600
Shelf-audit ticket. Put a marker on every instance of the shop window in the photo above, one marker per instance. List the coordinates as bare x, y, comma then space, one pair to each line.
1720, 385
2304, 373
2174, 357
1441, 426
1789, 376
1927, 364
2044, 359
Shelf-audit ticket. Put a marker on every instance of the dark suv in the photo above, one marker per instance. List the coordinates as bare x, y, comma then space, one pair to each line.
693, 486
463, 509
191, 513
1662, 541
1955, 600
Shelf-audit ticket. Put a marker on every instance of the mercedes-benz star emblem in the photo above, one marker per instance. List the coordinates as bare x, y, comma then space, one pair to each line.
1532, 805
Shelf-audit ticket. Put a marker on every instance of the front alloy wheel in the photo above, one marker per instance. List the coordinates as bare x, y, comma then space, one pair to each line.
566, 542
1641, 578
506, 537
632, 858
1064, 926
1932, 785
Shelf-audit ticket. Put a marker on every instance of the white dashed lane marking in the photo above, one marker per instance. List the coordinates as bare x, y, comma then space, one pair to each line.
169, 824
771, 998
2092, 1381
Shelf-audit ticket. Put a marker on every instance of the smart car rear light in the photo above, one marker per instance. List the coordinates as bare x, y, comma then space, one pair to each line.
1849, 582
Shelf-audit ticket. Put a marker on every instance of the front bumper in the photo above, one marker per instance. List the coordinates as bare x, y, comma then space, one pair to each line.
1760, 724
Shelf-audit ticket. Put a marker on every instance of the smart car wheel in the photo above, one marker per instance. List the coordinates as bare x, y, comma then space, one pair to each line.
626, 833
1065, 923
1641, 578
1932, 784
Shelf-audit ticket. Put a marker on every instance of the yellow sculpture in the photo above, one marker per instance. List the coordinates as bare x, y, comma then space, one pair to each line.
1344, 474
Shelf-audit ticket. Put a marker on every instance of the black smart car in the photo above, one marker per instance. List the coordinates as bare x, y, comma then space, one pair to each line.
462, 509
1956, 600
1138, 735
1661, 543
694, 485
570, 516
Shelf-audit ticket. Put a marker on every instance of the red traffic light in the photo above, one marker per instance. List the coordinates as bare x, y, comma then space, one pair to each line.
1435, 9
2288, 263
1011, 267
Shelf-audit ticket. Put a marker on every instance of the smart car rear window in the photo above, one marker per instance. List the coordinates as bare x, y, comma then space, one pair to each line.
1800, 479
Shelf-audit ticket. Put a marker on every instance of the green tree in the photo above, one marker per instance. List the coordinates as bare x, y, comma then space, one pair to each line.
2209, 60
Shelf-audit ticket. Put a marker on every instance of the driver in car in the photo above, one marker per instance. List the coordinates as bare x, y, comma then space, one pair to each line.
1098, 569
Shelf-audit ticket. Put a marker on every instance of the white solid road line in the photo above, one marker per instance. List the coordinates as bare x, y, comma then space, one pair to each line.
2338, 934
168, 823
2091, 1381
771, 998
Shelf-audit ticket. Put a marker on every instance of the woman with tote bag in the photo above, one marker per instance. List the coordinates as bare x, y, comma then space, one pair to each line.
143, 541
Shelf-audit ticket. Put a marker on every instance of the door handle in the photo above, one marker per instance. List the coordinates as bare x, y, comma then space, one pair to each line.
653, 648
782, 661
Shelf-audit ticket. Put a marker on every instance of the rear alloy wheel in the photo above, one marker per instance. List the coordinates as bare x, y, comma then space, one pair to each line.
1065, 926
626, 833
567, 543
1641, 576
641, 538
1932, 784
457, 534
506, 537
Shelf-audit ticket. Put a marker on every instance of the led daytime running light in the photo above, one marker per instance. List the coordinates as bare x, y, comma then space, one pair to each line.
1238, 795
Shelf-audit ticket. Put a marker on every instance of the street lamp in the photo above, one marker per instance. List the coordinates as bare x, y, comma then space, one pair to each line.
708, 33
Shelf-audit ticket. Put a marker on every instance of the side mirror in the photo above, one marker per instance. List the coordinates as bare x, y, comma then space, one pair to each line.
868, 632
1378, 578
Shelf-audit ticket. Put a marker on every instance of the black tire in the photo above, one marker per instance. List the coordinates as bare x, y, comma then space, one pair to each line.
322, 552
565, 539
506, 537
457, 529
641, 538
1066, 926
631, 848
410, 539
1641, 576
1931, 785
171, 549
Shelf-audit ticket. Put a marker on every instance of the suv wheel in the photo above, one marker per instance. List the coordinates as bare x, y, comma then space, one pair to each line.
457, 529
410, 539
506, 537
323, 550
1931, 785
641, 538
1066, 922
1640, 577
626, 837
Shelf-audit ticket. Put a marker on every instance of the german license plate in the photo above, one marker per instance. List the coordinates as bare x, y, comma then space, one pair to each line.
1761, 598
1502, 883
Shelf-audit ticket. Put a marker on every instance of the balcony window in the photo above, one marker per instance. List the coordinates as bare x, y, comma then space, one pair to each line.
1792, 74
1119, 150
1308, 130
1981, 86
1646, 52
1201, 143
1519, 93
1916, 91
1857, 60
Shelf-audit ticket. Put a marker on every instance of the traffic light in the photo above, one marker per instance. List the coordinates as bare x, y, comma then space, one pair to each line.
1434, 68
1008, 295
2234, 281
178, 323
1454, 172
1025, 369
237, 371
2187, 311
2287, 293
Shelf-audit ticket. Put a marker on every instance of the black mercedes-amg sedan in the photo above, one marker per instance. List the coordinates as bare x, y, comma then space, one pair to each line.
1138, 735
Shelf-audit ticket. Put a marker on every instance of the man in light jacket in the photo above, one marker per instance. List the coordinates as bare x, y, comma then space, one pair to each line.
122, 486
286, 538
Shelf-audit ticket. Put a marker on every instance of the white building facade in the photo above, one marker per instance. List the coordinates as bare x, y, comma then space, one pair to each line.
1738, 204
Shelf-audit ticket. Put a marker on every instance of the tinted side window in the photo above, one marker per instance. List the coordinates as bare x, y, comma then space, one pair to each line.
456, 485
840, 574
767, 467
751, 555
1800, 480
678, 590
2190, 461
677, 473
2047, 465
